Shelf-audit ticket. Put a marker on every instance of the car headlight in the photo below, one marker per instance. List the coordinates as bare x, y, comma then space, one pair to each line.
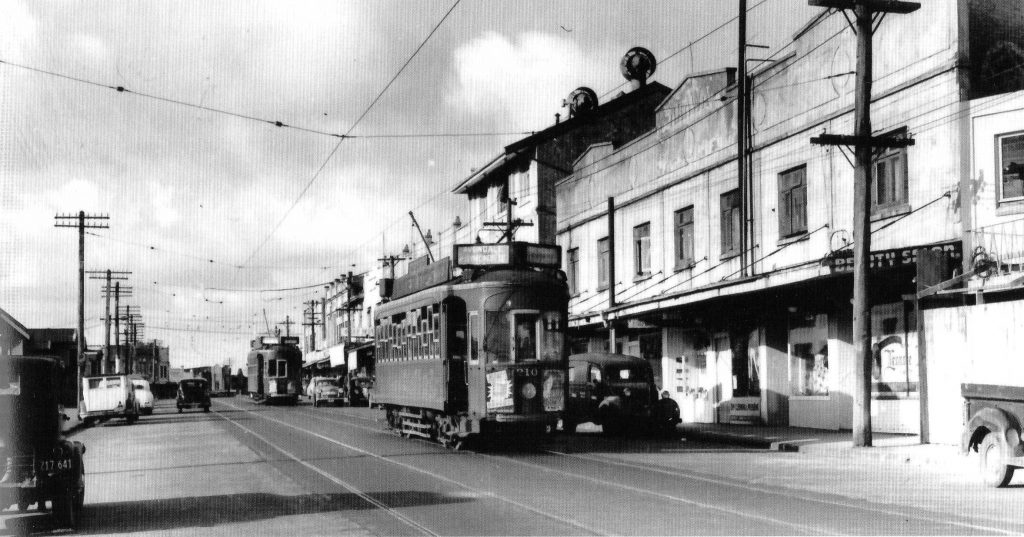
528, 391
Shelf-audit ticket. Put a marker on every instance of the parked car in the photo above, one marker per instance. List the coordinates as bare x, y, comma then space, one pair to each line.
108, 396
193, 393
40, 464
359, 390
617, 392
326, 391
143, 395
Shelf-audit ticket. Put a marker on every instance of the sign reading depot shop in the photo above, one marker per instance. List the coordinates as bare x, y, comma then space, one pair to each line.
842, 260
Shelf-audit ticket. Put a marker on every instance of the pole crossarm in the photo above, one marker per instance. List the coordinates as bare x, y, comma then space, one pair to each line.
878, 6
848, 140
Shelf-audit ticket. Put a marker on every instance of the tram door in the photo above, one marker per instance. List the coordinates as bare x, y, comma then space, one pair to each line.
259, 374
477, 381
453, 323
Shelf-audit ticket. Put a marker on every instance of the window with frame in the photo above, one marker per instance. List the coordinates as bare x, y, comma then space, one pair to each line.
603, 263
1010, 159
642, 250
793, 202
730, 210
684, 238
889, 180
572, 270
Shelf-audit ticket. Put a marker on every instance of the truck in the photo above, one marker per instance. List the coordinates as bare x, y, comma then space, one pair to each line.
993, 415
107, 396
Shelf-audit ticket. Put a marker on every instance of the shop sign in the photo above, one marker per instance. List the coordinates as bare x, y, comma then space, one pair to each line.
637, 324
745, 410
842, 261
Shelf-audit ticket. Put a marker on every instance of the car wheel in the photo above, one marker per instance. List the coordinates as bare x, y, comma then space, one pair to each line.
992, 462
315, 403
206, 409
64, 508
568, 426
23, 505
613, 427
179, 410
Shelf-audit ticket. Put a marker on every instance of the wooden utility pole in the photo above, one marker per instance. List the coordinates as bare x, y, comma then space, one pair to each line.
311, 322
287, 322
863, 144
741, 134
82, 222
107, 275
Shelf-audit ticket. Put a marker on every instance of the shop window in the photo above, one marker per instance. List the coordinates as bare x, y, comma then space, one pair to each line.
684, 238
894, 371
1011, 167
808, 355
730, 210
603, 263
642, 250
572, 270
793, 202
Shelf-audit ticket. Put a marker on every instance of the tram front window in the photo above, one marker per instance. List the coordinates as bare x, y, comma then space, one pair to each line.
524, 336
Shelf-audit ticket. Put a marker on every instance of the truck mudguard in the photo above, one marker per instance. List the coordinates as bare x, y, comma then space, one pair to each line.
997, 421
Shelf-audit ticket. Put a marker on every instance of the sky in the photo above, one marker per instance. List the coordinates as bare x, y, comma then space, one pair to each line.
213, 212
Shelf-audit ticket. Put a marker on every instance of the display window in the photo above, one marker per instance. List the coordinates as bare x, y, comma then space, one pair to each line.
894, 370
808, 355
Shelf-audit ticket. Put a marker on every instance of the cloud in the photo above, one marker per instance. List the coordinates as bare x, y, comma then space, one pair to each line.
523, 80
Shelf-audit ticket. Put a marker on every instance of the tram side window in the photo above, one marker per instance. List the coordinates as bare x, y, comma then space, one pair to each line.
474, 343
271, 368
496, 337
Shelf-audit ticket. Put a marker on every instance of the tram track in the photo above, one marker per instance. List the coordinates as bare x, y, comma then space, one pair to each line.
343, 484
389, 460
788, 493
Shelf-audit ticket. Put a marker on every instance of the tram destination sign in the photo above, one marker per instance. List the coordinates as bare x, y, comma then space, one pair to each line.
520, 254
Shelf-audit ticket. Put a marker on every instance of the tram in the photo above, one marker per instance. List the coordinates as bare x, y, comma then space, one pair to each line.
274, 367
483, 352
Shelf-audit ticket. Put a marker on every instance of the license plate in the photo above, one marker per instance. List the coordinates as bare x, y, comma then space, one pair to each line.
54, 465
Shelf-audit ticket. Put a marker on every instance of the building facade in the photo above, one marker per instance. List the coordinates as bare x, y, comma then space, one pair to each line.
749, 319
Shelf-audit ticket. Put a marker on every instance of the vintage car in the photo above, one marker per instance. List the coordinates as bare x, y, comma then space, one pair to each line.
144, 396
108, 396
617, 392
326, 391
359, 390
193, 393
41, 465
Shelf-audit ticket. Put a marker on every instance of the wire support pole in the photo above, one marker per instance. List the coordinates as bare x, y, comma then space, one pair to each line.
864, 144
82, 222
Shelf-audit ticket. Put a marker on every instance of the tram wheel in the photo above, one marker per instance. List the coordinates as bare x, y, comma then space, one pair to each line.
448, 432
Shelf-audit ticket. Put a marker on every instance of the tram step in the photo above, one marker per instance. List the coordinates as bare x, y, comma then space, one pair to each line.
416, 425
415, 432
403, 414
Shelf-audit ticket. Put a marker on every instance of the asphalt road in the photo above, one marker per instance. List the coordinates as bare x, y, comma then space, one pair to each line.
247, 469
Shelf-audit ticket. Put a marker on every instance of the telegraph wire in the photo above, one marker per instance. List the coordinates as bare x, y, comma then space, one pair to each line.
275, 123
350, 129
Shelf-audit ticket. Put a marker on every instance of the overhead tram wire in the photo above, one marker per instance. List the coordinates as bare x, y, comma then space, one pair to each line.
275, 123
350, 129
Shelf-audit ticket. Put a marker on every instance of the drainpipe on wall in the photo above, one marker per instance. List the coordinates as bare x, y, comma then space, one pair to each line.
611, 268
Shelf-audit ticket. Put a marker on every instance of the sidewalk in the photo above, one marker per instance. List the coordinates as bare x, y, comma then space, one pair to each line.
889, 447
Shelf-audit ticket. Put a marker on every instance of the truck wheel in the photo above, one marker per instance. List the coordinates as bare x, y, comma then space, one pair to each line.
994, 470
64, 508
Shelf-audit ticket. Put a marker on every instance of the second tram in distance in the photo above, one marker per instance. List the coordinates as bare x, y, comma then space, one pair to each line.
275, 369
477, 354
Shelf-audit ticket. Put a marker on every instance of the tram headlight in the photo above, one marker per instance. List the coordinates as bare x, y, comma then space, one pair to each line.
528, 391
